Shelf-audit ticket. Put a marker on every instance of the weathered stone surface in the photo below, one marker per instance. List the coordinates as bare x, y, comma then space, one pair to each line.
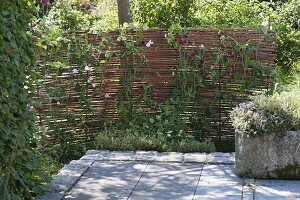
145, 155
66, 179
120, 155
277, 189
100, 179
220, 158
168, 181
195, 157
95, 155
108, 180
218, 182
169, 157
268, 156
56, 195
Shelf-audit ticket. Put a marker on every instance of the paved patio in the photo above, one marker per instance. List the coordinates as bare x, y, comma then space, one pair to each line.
152, 175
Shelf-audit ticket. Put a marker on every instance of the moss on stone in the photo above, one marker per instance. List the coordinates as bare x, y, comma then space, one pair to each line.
290, 171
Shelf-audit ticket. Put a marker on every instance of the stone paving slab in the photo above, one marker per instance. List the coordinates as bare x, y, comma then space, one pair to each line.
220, 158
219, 182
168, 181
195, 157
213, 158
153, 175
108, 180
66, 179
152, 195
268, 189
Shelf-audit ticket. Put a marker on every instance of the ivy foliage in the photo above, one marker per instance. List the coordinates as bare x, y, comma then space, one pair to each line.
20, 175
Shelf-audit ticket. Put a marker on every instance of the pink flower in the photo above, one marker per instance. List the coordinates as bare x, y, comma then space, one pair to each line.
43, 2
38, 22
149, 43
230, 70
193, 54
43, 94
230, 54
106, 95
180, 41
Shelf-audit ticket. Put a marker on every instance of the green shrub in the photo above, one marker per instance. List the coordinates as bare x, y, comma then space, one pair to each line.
287, 27
21, 172
66, 17
118, 140
164, 13
277, 113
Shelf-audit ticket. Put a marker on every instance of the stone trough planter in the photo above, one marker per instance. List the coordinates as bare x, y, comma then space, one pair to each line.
268, 156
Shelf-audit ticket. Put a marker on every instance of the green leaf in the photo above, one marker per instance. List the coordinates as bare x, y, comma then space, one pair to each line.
57, 64
151, 120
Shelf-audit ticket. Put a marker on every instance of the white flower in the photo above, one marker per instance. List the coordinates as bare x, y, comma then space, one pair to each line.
88, 68
271, 28
202, 45
265, 23
25, 87
106, 95
90, 79
48, 23
58, 103
149, 43
166, 35
75, 71
118, 39
94, 85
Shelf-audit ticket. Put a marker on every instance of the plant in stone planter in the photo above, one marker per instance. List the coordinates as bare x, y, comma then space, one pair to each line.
267, 135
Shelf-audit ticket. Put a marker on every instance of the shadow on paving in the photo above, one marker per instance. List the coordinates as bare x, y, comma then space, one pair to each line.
173, 181
118, 180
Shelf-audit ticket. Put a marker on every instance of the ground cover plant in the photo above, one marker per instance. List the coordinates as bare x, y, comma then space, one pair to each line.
118, 140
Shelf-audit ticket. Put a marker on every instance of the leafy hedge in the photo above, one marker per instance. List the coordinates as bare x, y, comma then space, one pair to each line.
20, 175
277, 113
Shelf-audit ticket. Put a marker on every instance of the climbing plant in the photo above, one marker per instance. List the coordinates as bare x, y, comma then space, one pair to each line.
21, 175
98, 83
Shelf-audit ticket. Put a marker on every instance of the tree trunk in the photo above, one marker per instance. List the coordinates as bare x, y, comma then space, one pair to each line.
124, 11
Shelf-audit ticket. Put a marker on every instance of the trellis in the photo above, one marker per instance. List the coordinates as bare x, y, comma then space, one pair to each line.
157, 66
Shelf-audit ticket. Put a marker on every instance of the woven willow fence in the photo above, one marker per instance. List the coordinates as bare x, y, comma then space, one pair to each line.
77, 105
